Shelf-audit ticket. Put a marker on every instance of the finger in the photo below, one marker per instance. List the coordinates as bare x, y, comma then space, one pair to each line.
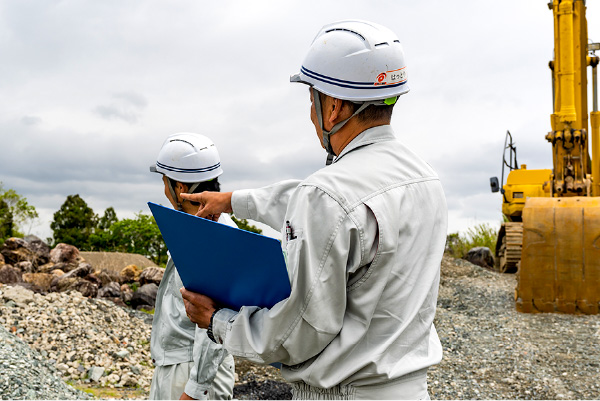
214, 217
194, 298
185, 294
192, 197
205, 212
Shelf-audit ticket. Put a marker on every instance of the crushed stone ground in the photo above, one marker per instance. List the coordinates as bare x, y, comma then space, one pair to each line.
491, 351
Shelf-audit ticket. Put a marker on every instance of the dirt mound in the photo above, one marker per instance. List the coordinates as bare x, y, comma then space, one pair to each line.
115, 261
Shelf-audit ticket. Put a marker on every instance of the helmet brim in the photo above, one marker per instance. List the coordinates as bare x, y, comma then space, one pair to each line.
298, 78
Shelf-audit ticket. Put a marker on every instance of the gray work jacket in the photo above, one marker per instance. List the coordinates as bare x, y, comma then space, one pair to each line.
175, 339
364, 262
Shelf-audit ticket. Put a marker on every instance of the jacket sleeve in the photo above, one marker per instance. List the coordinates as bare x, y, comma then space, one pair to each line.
207, 358
301, 326
266, 205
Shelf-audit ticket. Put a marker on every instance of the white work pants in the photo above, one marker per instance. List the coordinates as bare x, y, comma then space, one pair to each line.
410, 387
168, 382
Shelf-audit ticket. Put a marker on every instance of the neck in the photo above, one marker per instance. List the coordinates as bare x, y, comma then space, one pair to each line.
189, 208
351, 130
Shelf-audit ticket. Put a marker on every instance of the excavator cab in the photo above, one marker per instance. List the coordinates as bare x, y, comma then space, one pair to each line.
521, 184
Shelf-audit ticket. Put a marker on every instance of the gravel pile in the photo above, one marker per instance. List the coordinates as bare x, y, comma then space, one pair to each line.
87, 340
490, 350
25, 374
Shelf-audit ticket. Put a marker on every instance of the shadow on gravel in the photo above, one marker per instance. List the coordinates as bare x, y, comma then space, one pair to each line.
265, 390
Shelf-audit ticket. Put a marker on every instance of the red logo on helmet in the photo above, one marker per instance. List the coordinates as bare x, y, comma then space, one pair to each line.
381, 77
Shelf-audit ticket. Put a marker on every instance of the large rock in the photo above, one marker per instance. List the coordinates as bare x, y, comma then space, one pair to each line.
46, 267
95, 373
59, 284
106, 278
32, 287
10, 275
2, 260
73, 281
85, 287
126, 293
40, 249
17, 250
110, 290
152, 275
57, 273
66, 267
481, 256
129, 274
144, 296
65, 253
82, 270
25, 267
19, 295
41, 280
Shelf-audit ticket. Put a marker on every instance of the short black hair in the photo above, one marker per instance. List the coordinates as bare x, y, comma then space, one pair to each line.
370, 114
212, 185
373, 112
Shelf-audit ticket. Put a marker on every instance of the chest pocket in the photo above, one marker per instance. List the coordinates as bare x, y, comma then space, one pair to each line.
291, 251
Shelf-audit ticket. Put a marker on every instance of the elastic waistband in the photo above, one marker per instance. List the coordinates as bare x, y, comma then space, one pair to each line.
164, 357
303, 391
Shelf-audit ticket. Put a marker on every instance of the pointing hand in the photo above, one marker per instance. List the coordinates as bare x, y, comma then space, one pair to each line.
212, 204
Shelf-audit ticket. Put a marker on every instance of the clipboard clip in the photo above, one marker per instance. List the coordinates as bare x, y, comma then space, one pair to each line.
289, 232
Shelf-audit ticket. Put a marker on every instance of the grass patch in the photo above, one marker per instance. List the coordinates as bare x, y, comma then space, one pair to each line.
104, 393
458, 245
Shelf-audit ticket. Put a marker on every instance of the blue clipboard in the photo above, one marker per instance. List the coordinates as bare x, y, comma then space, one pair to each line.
232, 266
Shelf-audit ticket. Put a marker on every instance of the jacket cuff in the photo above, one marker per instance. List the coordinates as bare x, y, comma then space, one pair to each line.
220, 323
197, 391
240, 204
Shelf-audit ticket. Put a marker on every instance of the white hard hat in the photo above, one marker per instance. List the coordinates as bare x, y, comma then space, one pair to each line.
189, 158
357, 61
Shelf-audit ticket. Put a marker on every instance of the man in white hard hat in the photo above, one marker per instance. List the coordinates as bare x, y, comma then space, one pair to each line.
187, 364
364, 241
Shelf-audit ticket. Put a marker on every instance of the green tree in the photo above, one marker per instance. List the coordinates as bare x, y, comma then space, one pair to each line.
140, 235
6, 221
74, 222
14, 213
101, 239
109, 218
243, 224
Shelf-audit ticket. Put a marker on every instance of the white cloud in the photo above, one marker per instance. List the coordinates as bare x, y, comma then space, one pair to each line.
89, 90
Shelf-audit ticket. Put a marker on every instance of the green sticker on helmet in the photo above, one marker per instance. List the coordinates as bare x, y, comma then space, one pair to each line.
390, 100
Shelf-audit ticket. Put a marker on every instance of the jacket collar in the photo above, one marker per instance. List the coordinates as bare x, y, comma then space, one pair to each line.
370, 136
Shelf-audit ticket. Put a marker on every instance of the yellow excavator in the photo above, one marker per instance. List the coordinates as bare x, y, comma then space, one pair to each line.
551, 236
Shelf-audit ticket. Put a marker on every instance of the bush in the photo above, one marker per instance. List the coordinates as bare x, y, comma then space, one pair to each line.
458, 245
243, 224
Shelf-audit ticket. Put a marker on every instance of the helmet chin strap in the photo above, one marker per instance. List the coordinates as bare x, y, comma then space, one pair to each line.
179, 205
327, 134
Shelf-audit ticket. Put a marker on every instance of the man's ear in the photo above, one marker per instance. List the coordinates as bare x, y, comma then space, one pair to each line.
182, 187
336, 111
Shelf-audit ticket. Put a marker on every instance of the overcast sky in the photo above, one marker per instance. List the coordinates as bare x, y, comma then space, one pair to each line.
89, 90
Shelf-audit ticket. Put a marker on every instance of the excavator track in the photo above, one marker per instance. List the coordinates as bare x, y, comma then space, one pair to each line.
508, 250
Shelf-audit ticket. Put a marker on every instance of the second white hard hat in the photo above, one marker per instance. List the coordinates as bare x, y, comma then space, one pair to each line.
189, 158
357, 61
